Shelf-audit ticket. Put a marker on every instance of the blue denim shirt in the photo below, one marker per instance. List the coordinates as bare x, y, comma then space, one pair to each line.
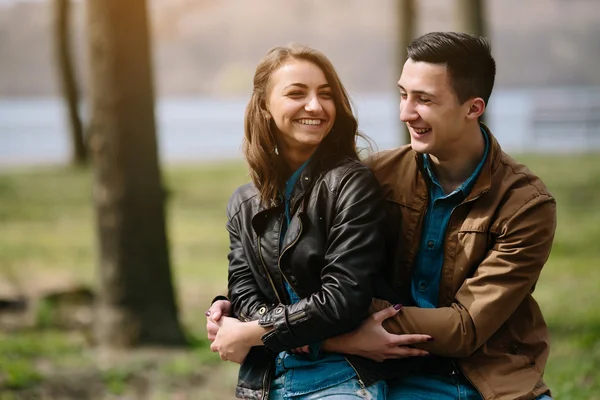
308, 373
425, 282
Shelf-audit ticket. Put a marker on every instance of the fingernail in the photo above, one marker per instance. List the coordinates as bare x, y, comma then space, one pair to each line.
397, 306
207, 313
430, 339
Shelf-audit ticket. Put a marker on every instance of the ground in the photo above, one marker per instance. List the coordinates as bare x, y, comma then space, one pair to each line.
47, 245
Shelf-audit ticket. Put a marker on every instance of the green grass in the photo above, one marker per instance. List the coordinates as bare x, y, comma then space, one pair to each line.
47, 238
568, 288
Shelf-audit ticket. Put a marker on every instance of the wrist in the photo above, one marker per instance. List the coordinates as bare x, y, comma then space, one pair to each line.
336, 344
255, 332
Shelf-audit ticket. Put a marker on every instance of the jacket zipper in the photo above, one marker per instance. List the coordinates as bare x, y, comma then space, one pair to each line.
281, 256
361, 383
267, 271
266, 388
457, 366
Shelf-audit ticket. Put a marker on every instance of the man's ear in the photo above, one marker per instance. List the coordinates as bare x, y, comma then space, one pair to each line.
476, 108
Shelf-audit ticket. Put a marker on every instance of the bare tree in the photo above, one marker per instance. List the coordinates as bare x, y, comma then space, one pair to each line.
470, 18
68, 82
136, 295
406, 33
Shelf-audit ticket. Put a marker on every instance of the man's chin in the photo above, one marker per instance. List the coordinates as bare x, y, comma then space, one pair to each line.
420, 148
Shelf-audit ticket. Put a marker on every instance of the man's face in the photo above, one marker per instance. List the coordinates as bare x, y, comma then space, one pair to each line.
430, 108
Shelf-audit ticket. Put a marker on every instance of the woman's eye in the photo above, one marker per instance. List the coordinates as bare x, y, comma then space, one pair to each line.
327, 95
295, 94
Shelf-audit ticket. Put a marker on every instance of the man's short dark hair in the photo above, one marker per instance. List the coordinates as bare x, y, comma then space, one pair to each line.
468, 58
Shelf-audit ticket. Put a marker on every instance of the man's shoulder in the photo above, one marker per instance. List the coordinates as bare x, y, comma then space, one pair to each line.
386, 157
391, 161
516, 188
512, 175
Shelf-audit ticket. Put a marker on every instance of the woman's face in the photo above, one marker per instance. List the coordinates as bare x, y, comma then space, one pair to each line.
300, 103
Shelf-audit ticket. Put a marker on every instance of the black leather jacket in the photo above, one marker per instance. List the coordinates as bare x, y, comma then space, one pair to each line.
331, 255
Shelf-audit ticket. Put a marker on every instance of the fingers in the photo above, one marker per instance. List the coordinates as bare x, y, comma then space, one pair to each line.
386, 313
404, 352
403, 340
218, 309
300, 350
217, 349
212, 329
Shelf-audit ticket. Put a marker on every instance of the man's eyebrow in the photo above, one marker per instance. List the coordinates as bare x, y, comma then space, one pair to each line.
304, 86
418, 91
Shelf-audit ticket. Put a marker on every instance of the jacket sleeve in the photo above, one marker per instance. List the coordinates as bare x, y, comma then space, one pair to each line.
499, 285
247, 300
354, 254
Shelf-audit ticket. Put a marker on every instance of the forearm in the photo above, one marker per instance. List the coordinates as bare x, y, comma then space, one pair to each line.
451, 328
254, 333
336, 344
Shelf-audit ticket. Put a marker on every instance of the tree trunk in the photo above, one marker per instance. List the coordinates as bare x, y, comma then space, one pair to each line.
470, 18
136, 295
67, 79
406, 33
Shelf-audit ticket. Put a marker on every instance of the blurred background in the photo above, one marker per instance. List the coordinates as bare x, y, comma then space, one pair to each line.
58, 254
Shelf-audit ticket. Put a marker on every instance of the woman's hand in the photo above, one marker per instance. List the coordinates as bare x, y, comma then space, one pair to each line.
372, 341
235, 339
220, 308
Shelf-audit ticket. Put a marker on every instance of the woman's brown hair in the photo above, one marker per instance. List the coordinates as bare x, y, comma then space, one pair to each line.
267, 169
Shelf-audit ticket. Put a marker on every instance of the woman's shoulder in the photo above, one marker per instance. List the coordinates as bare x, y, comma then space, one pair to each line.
349, 172
347, 165
243, 195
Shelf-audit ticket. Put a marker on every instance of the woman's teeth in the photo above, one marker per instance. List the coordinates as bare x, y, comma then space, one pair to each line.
310, 121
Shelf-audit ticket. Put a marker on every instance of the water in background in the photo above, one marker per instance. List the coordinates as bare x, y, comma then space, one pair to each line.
34, 131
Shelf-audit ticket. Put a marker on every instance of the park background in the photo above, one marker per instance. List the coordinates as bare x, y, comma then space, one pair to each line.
545, 111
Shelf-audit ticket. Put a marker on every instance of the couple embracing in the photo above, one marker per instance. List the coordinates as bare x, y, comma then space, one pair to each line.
407, 275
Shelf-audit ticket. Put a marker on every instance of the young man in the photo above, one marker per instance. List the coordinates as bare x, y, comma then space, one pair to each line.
476, 229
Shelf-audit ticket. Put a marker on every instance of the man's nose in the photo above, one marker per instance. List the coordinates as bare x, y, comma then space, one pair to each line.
407, 111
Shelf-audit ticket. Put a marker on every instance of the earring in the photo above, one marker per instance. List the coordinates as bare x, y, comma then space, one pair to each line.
276, 150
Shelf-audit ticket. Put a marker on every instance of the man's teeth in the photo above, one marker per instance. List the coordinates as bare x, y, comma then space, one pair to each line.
310, 121
422, 130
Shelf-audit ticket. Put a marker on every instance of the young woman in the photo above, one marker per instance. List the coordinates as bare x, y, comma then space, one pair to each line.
306, 238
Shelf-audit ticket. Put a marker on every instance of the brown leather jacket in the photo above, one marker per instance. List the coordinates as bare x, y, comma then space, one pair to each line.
496, 244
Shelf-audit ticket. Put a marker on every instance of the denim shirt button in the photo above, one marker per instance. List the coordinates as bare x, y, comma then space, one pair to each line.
422, 286
430, 244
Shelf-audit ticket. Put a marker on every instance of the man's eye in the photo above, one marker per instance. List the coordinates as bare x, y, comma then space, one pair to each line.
403, 95
424, 101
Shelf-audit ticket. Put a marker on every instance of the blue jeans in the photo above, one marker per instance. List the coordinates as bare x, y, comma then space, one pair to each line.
349, 389
439, 387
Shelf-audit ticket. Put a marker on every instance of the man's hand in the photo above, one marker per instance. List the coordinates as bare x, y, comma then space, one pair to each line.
218, 309
372, 341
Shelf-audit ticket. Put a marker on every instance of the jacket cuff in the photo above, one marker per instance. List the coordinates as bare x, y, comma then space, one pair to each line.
281, 337
314, 352
219, 297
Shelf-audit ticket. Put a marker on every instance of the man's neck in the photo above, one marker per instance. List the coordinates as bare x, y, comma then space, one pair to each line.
457, 164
